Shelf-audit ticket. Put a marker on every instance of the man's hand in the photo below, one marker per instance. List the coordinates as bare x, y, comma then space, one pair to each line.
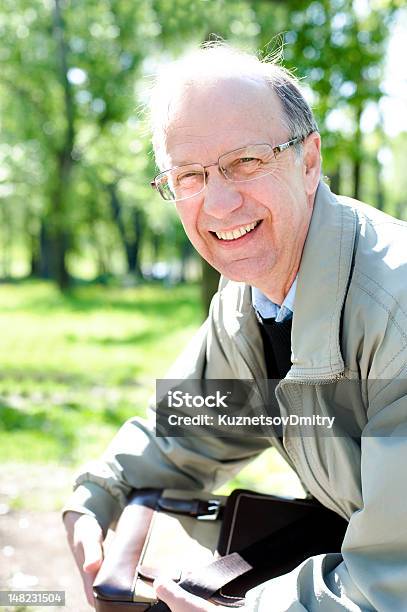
179, 600
85, 538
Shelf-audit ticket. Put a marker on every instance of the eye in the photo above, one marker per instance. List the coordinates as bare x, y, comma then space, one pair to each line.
188, 177
246, 160
241, 161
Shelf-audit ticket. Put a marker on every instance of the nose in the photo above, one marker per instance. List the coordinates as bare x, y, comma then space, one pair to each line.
221, 197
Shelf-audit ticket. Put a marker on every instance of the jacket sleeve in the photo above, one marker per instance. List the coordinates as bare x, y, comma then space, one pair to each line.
136, 458
370, 574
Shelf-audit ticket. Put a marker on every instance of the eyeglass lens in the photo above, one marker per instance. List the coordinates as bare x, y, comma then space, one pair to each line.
245, 164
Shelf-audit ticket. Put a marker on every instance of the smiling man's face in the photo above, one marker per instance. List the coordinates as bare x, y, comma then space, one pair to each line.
272, 212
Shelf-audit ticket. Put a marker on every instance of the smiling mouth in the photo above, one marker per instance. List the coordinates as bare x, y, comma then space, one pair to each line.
236, 233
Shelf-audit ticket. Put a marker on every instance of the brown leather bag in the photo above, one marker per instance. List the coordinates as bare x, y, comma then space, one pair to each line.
215, 547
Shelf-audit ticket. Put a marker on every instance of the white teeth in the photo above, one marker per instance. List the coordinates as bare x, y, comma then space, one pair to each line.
237, 233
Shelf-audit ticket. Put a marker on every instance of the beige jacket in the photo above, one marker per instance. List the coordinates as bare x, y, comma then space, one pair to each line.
349, 354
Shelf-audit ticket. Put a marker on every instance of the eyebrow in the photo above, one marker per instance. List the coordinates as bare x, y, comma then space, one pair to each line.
188, 163
185, 163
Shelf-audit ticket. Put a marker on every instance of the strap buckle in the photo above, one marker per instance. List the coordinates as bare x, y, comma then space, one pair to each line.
211, 512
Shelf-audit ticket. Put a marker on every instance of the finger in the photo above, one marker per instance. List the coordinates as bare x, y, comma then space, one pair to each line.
177, 599
85, 538
88, 580
89, 537
93, 556
173, 595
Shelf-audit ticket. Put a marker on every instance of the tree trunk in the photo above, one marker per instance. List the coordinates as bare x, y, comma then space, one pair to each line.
380, 197
401, 210
43, 267
131, 246
58, 231
156, 244
34, 253
210, 281
335, 180
59, 246
34, 262
186, 251
356, 179
357, 164
7, 240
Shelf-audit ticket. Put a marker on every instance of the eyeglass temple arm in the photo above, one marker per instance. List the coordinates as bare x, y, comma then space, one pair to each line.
287, 145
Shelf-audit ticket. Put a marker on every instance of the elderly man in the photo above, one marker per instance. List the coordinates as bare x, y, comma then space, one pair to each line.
312, 291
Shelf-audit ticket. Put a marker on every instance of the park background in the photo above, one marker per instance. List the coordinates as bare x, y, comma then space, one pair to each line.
99, 288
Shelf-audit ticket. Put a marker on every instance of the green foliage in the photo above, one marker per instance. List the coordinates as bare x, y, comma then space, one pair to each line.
397, 177
338, 52
76, 365
74, 78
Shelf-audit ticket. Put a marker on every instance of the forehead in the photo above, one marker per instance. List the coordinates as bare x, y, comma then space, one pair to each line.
209, 118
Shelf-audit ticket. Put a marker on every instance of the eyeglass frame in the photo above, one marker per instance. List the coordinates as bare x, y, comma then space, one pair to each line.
276, 151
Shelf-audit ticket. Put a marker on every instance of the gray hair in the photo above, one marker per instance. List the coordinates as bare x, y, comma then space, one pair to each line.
218, 59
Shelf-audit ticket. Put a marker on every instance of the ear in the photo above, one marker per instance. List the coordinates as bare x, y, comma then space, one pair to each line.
312, 162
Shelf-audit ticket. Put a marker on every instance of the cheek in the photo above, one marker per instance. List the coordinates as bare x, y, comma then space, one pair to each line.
284, 199
189, 217
270, 192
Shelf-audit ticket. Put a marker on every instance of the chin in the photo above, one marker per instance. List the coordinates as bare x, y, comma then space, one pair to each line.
247, 271
240, 276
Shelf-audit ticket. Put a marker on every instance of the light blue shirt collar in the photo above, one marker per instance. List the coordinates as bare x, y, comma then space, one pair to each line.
268, 310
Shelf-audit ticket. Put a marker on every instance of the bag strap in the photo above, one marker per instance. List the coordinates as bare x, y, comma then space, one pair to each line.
290, 540
205, 581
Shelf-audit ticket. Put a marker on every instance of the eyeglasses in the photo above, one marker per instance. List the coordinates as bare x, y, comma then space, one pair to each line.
241, 165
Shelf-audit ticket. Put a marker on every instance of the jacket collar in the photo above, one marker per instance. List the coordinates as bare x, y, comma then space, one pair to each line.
322, 286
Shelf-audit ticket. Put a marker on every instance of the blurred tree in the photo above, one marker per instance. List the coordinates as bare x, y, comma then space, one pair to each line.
337, 47
75, 158
66, 61
393, 161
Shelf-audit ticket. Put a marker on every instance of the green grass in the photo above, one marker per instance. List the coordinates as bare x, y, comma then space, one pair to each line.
75, 366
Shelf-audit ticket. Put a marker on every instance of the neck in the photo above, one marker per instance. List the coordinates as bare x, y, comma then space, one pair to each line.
274, 292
